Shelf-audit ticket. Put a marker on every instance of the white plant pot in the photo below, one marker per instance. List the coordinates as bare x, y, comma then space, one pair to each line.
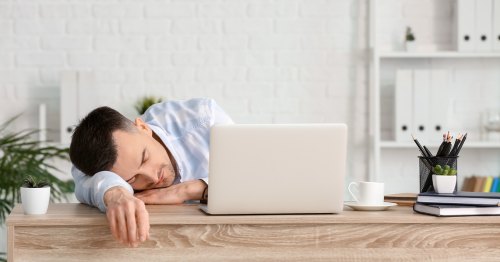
35, 200
410, 46
444, 184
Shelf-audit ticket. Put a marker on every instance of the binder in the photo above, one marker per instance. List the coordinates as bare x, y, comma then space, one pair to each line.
465, 25
77, 99
421, 104
496, 25
484, 23
439, 104
87, 97
68, 102
403, 105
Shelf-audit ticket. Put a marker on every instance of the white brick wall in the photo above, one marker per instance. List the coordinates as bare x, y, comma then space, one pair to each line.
285, 60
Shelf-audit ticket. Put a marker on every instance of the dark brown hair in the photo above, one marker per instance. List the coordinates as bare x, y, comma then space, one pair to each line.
92, 146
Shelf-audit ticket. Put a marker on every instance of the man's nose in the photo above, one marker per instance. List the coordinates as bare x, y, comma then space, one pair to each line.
151, 176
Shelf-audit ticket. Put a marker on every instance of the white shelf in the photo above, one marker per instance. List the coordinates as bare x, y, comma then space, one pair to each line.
411, 145
437, 54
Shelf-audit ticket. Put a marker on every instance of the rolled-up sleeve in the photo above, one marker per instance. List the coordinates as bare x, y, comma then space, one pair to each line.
90, 190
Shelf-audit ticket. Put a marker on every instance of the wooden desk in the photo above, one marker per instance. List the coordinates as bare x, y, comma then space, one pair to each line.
75, 232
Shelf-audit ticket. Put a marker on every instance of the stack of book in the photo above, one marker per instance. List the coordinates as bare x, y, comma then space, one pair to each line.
481, 184
458, 204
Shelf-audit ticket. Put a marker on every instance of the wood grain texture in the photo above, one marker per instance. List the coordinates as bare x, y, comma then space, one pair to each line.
10, 243
80, 214
311, 236
266, 254
186, 234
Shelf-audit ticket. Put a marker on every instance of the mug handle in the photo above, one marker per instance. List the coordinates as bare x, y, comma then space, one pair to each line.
350, 192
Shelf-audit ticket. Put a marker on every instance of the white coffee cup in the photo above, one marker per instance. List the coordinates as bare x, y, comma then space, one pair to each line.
368, 193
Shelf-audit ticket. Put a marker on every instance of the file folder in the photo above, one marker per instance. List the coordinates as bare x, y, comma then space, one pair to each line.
484, 23
465, 25
77, 99
403, 96
496, 25
439, 104
421, 104
68, 102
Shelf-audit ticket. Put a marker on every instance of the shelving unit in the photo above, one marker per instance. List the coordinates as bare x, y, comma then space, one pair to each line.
470, 145
443, 54
382, 150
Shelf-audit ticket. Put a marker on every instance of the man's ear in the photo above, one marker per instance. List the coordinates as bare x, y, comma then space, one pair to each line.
142, 126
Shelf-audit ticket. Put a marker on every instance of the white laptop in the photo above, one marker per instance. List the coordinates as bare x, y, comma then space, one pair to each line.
276, 169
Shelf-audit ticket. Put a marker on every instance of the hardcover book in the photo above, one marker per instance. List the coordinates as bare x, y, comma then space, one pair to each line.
461, 198
456, 210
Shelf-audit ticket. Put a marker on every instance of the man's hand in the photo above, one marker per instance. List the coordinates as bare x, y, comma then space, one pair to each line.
176, 194
127, 216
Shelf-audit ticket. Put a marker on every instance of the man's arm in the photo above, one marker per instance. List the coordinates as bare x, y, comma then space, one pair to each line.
127, 216
90, 189
175, 194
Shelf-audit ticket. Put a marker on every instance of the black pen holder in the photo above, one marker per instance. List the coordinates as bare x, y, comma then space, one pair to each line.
426, 164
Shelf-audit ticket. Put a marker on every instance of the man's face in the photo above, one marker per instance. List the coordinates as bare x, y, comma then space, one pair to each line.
142, 161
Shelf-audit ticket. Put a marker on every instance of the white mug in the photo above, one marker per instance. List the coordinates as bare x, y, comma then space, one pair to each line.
368, 193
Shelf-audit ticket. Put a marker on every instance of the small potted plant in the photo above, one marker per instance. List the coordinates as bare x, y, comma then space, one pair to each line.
410, 40
35, 196
145, 102
444, 179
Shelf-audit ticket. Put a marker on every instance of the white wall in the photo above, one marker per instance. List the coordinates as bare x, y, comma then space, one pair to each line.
271, 61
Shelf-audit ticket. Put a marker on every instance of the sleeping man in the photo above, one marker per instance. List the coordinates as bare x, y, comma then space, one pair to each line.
120, 165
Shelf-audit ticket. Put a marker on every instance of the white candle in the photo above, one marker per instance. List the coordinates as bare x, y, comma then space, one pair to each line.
42, 122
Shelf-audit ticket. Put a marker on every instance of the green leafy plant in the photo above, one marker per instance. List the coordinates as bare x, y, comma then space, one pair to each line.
145, 102
32, 182
409, 35
444, 171
20, 156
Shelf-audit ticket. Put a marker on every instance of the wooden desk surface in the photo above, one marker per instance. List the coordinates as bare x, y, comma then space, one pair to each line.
80, 214
76, 232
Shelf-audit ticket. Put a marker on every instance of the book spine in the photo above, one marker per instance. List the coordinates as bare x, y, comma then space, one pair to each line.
487, 184
494, 187
478, 187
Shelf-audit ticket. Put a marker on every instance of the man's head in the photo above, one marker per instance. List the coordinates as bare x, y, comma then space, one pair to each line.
106, 140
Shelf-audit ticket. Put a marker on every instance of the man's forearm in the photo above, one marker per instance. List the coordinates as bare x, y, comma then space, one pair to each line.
194, 189
176, 194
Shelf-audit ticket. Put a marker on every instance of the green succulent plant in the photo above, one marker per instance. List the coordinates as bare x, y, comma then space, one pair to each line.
145, 102
444, 171
409, 35
32, 182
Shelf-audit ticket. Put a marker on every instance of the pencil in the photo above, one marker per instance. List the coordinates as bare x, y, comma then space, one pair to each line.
422, 151
429, 154
461, 144
455, 145
440, 149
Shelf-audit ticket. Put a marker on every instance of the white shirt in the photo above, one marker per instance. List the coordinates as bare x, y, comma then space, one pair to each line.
184, 128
